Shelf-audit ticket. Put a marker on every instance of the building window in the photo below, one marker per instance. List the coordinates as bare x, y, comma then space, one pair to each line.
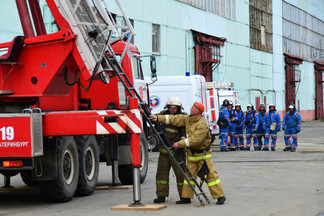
224, 8
156, 39
303, 34
261, 25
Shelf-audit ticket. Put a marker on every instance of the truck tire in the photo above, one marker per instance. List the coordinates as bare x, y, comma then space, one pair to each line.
154, 143
63, 188
26, 176
88, 164
125, 172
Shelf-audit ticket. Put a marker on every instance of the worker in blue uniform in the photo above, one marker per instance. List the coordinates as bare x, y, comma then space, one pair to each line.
250, 127
291, 125
260, 125
224, 124
273, 126
239, 125
232, 128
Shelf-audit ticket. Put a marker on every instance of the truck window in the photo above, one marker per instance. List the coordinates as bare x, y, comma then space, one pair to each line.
49, 21
137, 67
10, 22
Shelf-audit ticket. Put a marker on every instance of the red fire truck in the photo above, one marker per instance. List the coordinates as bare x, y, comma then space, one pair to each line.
62, 107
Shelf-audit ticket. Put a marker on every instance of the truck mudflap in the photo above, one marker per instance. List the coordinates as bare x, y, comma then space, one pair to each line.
21, 135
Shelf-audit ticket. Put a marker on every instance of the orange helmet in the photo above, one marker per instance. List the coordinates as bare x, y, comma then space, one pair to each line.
200, 106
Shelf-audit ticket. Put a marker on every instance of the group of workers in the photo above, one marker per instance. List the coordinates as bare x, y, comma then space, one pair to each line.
191, 139
258, 125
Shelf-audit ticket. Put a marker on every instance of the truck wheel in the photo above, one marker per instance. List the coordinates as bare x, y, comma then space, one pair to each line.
125, 172
88, 164
63, 188
26, 176
154, 143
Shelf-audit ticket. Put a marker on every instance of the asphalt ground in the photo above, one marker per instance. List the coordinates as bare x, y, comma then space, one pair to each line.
255, 183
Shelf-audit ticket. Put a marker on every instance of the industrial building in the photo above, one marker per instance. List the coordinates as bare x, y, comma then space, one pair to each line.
272, 50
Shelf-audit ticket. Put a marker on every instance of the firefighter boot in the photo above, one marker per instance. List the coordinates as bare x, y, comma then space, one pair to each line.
265, 149
287, 148
221, 200
273, 149
184, 201
159, 199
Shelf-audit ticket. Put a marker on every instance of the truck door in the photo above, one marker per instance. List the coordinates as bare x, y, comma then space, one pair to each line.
139, 82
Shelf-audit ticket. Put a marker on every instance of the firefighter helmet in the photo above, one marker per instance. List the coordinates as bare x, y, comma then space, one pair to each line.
249, 105
225, 102
174, 101
272, 105
237, 104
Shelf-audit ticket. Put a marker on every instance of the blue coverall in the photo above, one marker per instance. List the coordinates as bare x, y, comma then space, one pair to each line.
232, 128
223, 113
240, 127
291, 124
260, 125
273, 117
251, 129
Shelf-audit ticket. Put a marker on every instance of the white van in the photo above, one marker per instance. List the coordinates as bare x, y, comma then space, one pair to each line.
190, 89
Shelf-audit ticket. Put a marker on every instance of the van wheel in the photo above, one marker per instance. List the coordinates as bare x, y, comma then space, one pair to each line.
154, 143
125, 172
63, 188
88, 164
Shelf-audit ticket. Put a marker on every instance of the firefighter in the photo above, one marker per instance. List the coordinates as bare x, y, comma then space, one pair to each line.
291, 125
224, 125
250, 127
198, 150
260, 125
273, 126
233, 118
174, 134
239, 125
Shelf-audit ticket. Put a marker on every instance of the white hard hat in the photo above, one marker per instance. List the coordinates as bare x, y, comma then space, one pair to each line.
237, 104
291, 107
230, 102
174, 101
271, 105
249, 105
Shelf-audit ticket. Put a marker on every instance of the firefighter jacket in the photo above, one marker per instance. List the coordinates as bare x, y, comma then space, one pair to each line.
261, 120
274, 117
198, 135
173, 133
292, 120
224, 114
250, 119
240, 118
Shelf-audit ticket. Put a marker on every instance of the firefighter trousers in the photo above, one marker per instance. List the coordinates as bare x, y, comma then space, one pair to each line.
163, 171
213, 182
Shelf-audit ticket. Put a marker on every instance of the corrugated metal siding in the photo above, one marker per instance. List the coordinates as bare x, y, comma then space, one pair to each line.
225, 8
303, 34
261, 19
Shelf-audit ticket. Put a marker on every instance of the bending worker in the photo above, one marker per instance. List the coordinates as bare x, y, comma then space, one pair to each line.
174, 107
198, 144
